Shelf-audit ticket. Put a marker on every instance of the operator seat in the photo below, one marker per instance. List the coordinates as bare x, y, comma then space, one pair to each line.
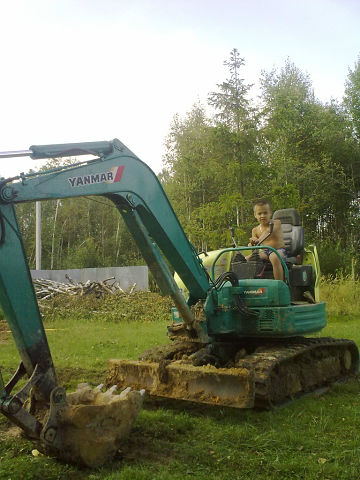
300, 276
293, 234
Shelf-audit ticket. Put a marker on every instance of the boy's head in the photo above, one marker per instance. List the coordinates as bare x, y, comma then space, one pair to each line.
262, 212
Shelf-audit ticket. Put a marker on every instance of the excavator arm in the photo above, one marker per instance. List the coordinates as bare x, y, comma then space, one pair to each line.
119, 175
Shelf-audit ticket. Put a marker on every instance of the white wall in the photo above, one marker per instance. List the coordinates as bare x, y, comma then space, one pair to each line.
125, 276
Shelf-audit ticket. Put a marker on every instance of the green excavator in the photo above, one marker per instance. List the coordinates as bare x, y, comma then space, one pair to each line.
237, 335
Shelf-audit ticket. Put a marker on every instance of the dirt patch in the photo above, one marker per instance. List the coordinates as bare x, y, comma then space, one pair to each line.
3, 325
10, 433
170, 351
4, 331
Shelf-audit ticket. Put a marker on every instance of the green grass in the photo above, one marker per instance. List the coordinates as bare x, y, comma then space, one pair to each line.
316, 437
80, 346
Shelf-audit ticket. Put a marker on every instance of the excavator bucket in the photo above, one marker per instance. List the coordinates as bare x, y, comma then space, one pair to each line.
233, 387
89, 425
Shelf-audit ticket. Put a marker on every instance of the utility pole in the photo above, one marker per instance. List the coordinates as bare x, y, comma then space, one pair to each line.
38, 236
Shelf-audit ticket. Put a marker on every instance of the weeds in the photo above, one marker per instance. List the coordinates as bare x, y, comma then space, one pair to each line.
144, 306
341, 294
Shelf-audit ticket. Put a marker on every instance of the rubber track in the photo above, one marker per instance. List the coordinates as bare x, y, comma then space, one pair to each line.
301, 365
283, 369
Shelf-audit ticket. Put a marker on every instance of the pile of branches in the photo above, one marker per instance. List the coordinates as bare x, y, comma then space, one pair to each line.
46, 289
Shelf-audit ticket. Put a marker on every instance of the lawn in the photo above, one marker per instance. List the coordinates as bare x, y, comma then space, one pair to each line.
315, 437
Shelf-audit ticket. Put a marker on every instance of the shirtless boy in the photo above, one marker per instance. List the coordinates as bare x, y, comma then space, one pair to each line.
262, 213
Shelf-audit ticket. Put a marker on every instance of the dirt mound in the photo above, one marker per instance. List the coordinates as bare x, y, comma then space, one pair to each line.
171, 351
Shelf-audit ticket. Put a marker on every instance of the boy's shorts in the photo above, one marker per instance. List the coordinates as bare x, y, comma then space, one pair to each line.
267, 251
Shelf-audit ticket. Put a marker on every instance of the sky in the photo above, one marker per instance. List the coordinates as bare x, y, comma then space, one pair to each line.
89, 70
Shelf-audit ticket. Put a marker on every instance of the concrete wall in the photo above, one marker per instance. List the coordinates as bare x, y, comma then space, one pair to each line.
125, 276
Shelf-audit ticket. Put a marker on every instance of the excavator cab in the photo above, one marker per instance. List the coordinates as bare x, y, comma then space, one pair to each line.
302, 263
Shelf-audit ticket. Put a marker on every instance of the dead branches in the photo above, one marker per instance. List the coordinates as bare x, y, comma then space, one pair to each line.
46, 289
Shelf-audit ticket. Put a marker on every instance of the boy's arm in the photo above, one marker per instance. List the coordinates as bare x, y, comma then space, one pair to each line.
254, 239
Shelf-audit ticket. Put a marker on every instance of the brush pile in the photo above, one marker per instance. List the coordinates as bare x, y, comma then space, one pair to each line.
46, 289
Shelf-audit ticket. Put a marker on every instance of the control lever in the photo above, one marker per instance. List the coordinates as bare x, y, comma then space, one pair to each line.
232, 231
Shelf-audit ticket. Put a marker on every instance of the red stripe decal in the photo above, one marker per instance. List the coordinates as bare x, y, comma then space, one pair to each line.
119, 173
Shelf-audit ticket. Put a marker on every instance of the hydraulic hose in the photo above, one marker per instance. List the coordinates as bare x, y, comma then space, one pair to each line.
2, 227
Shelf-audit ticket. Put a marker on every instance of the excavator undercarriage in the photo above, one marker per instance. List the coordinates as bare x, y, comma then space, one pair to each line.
250, 374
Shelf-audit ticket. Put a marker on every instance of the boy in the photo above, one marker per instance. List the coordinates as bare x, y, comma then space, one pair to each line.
262, 213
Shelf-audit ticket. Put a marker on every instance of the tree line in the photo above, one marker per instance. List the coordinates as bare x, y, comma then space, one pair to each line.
285, 146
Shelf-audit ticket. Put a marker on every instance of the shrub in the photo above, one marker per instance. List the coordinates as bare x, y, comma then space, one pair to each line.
335, 259
144, 306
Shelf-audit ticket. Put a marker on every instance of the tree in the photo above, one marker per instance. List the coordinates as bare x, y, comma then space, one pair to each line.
308, 147
237, 117
187, 173
352, 97
288, 102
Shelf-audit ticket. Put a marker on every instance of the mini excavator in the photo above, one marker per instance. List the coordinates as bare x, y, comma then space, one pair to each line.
237, 335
